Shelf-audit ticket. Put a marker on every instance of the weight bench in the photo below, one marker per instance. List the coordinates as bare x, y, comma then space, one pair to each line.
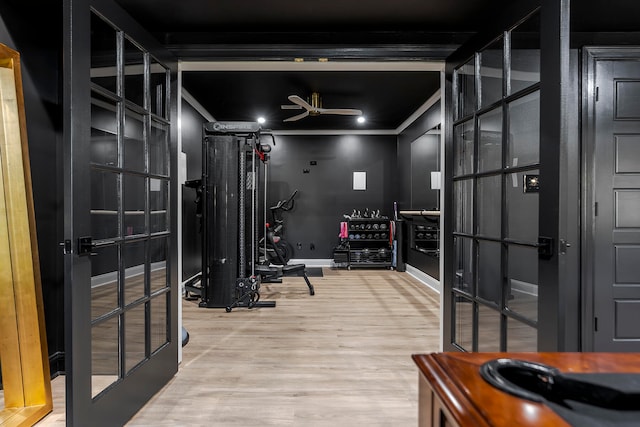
284, 269
276, 272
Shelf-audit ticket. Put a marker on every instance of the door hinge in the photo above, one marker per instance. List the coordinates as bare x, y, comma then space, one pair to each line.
597, 93
595, 209
595, 324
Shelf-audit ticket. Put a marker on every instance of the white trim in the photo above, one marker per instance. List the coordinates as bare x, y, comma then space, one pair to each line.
178, 205
105, 279
443, 219
189, 99
154, 266
336, 132
420, 111
190, 278
136, 270
313, 262
425, 279
312, 66
524, 287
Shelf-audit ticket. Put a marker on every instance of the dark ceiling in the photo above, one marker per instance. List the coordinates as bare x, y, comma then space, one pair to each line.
235, 16
281, 30
367, 30
386, 99
343, 22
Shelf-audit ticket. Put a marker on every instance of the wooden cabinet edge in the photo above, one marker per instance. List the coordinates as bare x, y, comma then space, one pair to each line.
447, 397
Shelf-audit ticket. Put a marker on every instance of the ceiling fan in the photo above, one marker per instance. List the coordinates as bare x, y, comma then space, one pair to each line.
315, 108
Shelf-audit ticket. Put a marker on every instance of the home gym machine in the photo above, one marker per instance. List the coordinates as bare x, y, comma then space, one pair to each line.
231, 157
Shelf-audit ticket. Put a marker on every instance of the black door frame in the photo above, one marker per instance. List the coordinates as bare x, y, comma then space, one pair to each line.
125, 398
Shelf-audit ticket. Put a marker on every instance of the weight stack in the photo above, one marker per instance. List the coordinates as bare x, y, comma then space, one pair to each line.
221, 225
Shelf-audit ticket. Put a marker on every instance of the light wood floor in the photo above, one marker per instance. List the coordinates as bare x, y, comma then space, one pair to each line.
339, 358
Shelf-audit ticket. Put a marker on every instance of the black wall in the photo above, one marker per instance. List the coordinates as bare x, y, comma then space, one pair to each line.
326, 192
425, 158
36, 32
191, 125
418, 155
430, 156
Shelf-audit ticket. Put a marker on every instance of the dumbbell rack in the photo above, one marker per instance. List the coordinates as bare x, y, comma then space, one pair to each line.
369, 242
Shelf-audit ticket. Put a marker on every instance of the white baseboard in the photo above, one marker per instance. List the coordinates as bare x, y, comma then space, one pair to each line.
313, 262
524, 287
188, 280
136, 270
424, 278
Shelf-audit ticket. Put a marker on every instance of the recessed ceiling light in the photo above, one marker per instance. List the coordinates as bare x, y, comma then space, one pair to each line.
361, 119
261, 120
298, 59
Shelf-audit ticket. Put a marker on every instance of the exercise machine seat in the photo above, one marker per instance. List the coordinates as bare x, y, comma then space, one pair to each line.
287, 269
284, 271
298, 270
293, 268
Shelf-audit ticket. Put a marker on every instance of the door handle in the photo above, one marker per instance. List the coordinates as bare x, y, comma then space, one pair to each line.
86, 245
66, 247
545, 247
102, 243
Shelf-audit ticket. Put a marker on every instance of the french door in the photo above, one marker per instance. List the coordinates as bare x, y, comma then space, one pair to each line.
120, 262
491, 294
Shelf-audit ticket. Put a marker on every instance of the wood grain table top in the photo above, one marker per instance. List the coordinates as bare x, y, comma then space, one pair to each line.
456, 380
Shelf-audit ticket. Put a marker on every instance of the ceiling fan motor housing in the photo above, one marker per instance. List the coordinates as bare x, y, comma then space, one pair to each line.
316, 102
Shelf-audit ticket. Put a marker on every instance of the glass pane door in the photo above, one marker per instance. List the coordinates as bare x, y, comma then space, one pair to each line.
495, 173
120, 269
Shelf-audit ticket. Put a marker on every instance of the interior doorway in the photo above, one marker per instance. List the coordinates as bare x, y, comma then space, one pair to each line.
259, 76
198, 101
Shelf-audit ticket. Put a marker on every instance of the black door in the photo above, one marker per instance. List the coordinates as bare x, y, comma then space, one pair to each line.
491, 284
120, 275
613, 198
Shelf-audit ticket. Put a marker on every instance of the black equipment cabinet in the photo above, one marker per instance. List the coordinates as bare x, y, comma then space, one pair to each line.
369, 242
422, 232
426, 236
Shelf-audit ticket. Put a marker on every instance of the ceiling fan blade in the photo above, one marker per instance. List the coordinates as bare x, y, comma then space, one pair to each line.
298, 117
301, 102
291, 107
341, 111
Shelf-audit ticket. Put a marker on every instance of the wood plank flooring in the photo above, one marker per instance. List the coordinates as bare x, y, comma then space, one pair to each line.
339, 358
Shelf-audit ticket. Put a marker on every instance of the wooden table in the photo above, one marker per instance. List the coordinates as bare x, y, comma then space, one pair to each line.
452, 393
